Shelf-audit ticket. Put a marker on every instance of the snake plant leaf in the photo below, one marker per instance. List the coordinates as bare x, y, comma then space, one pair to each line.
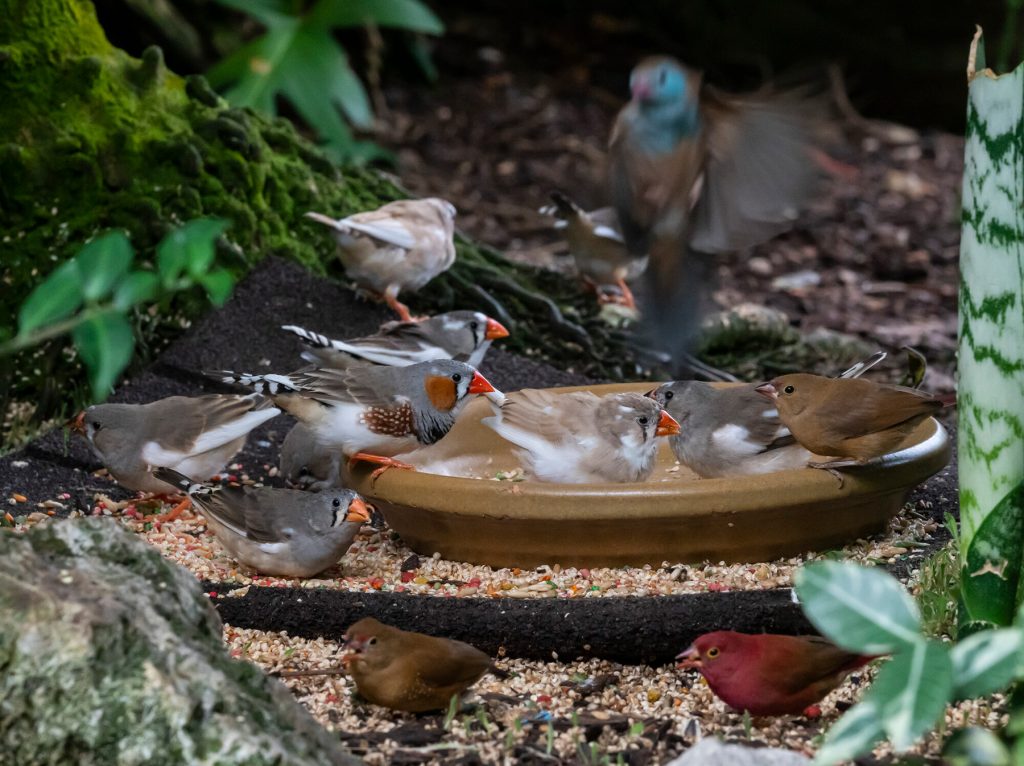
991, 342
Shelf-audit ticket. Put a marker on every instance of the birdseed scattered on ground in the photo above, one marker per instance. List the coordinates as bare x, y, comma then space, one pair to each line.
557, 712
380, 561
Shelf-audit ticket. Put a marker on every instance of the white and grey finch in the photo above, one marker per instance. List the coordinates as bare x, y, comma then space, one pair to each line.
398, 247
195, 435
582, 438
727, 431
280, 532
597, 245
464, 336
379, 411
733, 431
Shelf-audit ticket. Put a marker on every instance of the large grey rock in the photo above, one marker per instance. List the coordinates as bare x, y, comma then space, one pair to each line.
714, 752
111, 655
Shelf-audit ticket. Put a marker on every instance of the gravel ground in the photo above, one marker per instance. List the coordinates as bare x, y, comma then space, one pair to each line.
557, 712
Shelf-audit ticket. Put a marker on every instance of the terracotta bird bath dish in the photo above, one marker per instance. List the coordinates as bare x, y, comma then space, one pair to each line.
674, 516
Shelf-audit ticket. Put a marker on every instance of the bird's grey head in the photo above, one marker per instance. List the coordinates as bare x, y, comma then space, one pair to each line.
630, 418
682, 398
108, 426
346, 507
443, 384
463, 332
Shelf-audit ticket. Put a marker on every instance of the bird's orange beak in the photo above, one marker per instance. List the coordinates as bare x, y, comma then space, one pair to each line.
479, 384
667, 425
768, 391
495, 330
358, 511
77, 423
689, 659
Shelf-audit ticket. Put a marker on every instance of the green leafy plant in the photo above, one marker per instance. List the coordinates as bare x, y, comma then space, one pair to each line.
90, 296
298, 59
866, 610
991, 354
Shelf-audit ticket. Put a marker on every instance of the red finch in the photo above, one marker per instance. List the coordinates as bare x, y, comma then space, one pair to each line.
769, 674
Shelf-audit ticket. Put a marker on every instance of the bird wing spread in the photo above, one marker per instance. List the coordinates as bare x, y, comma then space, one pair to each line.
388, 231
758, 173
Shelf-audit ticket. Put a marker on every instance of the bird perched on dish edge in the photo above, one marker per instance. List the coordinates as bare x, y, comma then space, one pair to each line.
410, 671
398, 247
581, 438
598, 248
372, 413
464, 336
770, 674
696, 171
194, 435
732, 431
850, 420
280, 532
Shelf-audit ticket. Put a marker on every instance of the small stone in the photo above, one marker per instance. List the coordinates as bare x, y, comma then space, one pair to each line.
653, 695
762, 267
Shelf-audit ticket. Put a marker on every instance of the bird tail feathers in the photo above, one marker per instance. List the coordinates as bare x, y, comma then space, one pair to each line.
312, 338
270, 384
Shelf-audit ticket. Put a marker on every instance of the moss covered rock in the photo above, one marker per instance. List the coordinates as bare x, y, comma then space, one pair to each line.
110, 654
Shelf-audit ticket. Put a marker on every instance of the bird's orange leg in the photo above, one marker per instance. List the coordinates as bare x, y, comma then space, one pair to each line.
835, 168
391, 298
627, 294
384, 462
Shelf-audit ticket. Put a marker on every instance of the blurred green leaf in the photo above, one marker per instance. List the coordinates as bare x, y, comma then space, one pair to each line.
856, 733
102, 262
404, 14
188, 248
986, 662
256, 68
218, 284
992, 563
860, 608
57, 297
105, 343
912, 690
975, 746
137, 287
269, 12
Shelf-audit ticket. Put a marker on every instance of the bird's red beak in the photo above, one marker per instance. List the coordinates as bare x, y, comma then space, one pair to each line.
667, 425
495, 330
768, 391
77, 423
358, 511
479, 384
690, 659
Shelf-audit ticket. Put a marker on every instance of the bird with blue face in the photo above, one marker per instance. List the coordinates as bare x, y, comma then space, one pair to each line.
694, 171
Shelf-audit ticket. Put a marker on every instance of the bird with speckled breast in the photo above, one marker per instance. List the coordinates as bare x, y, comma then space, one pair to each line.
372, 413
410, 671
464, 336
695, 170
280, 532
396, 248
580, 437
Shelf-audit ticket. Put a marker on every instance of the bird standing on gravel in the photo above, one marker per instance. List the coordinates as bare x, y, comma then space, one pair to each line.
597, 247
397, 247
409, 671
195, 435
582, 438
693, 170
373, 413
279, 532
729, 431
770, 674
851, 420
464, 336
